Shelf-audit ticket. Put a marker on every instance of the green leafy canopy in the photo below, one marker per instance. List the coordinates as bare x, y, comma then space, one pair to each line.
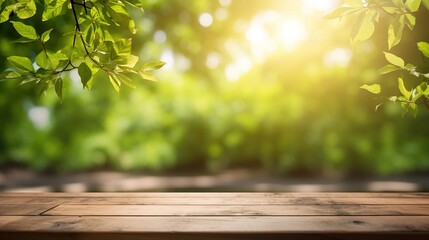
92, 50
399, 15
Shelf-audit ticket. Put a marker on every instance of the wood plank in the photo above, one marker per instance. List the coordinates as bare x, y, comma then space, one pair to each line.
236, 224
24, 209
212, 236
220, 194
237, 210
211, 201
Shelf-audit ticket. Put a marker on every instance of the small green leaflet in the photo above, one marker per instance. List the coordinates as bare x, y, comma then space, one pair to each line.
153, 65
388, 69
54, 8
395, 60
26, 9
115, 82
407, 94
394, 34
374, 88
26, 31
363, 27
42, 60
126, 80
426, 3
147, 76
46, 36
135, 3
424, 48
4, 15
85, 74
59, 87
413, 5
21, 63
411, 21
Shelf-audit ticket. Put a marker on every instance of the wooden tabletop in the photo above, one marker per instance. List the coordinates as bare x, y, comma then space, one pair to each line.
214, 215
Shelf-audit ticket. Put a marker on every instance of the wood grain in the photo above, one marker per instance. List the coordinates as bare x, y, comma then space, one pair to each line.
24, 209
220, 216
237, 210
236, 224
210, 200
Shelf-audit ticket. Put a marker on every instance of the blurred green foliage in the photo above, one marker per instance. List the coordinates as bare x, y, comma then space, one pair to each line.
257, 84
400, 15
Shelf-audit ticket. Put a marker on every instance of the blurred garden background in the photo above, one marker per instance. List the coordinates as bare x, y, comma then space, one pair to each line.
266, 86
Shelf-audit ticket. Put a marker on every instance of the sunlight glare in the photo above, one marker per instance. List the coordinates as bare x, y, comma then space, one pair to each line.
39, 116
206, 20
338, 57
324, 6
292, 32
213, 60
241, 66
271, 31
160, 36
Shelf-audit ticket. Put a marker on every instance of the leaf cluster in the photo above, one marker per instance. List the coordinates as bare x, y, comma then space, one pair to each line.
93, 49
401, 15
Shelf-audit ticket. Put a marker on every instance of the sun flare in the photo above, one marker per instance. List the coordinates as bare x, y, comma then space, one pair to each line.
292, 31
270, 31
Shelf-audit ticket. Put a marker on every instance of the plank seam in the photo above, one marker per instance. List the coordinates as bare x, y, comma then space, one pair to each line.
49, 209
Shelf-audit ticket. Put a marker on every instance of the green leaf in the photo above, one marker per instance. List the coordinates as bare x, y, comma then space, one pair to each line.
147, 76
374, 88
10, 75
388, 69
126, 80
21, 63
395, 31
26, 31
407, 94
59, 87
423, 88
135, 3
363, 27
130, 61
413, 5
54, 8
424, 48
4, 16
42, 60
85, 74
24, 40
115, 82
49, 60
56, 58
120, 17
395, 60
153, 65
339, 12
122, 47
74, 54
426, 3
26, 9
390, 10
46, 36
393, 98
411, 21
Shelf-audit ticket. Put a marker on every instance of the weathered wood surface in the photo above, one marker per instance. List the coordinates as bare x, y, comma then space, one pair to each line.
214, 216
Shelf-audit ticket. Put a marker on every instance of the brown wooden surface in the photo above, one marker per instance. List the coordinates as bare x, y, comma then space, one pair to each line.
214, 216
